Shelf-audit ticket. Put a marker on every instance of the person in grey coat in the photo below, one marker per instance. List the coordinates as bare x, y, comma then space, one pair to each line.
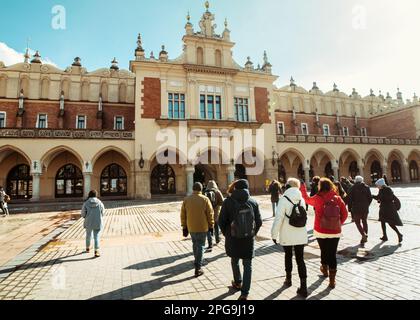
93, 212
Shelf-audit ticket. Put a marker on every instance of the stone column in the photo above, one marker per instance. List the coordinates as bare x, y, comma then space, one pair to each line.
164, 99
307, 176
36, 179
230, 174
251, 104
229, 107
405, 172
87, 181
336, 173
361, 167
190, 179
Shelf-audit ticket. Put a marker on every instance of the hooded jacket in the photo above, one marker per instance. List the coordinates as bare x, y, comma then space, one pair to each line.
282, 231
318, 202
238, 248
212, 186
93, 211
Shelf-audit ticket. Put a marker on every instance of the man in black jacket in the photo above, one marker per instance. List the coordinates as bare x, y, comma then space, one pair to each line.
240, 247
359, 200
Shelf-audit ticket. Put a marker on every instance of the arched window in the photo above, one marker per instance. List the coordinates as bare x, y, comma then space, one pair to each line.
200, 55
163, 180
69, 182
85, 91
113, 181
396, 172
3, 86
218, 58
376, 171
414, 171
19, 182
353, 169
122, 94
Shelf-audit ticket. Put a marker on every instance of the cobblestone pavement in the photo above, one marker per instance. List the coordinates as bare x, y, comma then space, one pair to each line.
145, 257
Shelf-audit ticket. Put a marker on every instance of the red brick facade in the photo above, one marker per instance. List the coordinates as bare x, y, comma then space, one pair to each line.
262, 105
72, 110
151, 98
310, 120
396, 125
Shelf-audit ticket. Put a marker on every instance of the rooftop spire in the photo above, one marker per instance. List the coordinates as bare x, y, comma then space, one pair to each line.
114, 65
36, 57
207, 5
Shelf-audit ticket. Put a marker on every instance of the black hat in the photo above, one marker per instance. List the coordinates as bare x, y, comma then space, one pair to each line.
241, 184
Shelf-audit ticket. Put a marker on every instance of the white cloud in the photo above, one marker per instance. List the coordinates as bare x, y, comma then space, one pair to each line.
10, 56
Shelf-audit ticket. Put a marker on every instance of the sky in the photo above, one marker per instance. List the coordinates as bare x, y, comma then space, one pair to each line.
360, 44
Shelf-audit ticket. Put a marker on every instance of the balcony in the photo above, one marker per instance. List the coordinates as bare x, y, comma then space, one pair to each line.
288, 138
65, 134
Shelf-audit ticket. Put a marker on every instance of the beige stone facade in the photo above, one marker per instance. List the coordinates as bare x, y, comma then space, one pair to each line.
64, 132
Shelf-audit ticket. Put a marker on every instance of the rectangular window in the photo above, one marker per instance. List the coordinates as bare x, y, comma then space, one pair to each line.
280, 127
119, 123
305, 129
241, 109
176, 106
346, 131
81, 122
210, 107
2, 119
364, 132
42, 122
326, 130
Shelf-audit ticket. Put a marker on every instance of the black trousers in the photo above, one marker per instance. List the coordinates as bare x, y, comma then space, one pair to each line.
329, 251
299, 260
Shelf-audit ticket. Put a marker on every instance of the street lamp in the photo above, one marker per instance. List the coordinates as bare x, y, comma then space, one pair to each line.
141, 162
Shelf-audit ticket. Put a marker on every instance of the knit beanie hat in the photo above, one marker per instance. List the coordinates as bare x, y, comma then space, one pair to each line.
241, 184
380, 183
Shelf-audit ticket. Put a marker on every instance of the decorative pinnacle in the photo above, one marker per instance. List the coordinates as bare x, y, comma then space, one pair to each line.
188, 17
226, 23
207, 4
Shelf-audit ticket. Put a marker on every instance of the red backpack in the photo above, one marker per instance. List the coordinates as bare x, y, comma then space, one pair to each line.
331, 217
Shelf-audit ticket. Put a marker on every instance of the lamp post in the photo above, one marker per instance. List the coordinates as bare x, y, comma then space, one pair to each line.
141, 162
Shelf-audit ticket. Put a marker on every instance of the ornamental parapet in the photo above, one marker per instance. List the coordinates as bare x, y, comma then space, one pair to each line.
65, 134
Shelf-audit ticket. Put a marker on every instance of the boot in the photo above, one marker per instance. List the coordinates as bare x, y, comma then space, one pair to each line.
333, 273
198, 272
324, 270
288, 281
303, 290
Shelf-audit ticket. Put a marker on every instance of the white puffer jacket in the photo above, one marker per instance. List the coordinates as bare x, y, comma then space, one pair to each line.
282, 231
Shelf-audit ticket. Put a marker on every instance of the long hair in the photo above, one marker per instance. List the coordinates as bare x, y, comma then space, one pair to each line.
326, 185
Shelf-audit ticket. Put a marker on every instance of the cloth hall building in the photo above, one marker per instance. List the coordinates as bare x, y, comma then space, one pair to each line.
65, 132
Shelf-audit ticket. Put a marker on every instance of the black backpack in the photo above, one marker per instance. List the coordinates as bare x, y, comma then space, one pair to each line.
299, 216
212, 197
243, 226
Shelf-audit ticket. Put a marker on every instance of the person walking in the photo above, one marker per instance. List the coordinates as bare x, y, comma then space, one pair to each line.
240, 220
275, 190
290, 237
330, 215
216, 198
4, 199
93, 211
359, 200
389, 205
197, 219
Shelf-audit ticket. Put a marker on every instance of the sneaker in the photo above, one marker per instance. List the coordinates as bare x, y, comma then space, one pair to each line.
236, 286
97, 254
243, 298
198, 273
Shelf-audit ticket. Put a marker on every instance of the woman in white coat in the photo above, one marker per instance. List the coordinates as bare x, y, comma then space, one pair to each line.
290, 237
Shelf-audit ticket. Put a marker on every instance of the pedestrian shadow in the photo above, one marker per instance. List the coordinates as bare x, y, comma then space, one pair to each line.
277, 293
268, 249
231, 292
378, 251
324, 293
34, 265
140, 290
157, 262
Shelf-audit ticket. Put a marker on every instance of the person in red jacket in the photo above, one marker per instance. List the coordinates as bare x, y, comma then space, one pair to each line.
327, 233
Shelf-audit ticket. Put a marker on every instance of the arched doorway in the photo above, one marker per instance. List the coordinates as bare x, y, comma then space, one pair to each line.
19, 182
376, 171
329, 172
282, 174
240, 172
163, 180
354, 169
414, 171
69, 182
396, 172
113, 181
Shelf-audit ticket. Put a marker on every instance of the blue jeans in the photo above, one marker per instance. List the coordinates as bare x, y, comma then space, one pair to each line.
95, 238
199, 242
246, 281
216, 235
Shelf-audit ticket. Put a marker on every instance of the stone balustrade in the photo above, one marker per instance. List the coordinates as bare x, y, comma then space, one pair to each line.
344, 140
65, 134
